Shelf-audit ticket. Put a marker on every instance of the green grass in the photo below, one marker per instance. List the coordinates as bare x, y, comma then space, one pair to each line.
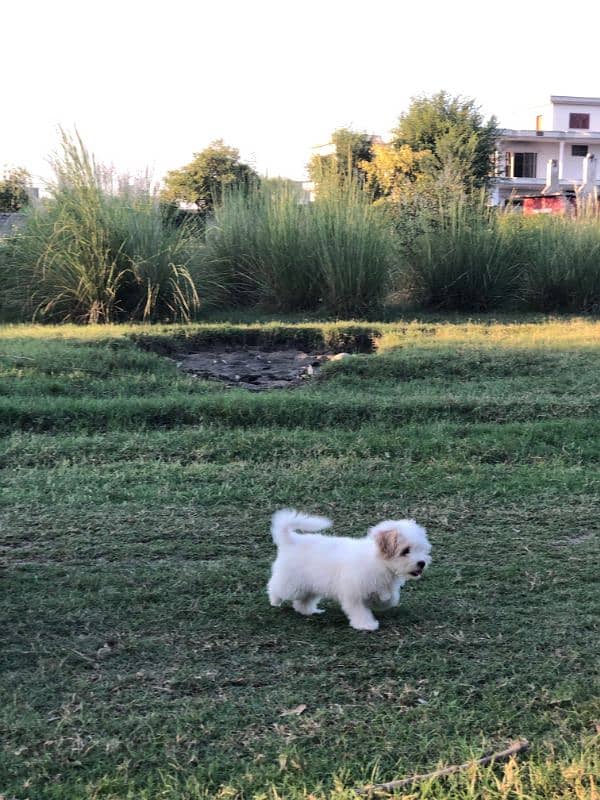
463, 255
88, 254
140, 657
263, 248
561, 258
466, 257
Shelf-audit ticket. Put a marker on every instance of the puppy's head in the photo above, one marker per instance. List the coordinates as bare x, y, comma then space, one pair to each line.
403, 545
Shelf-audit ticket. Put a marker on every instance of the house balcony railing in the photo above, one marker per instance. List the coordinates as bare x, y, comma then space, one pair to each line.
510, 133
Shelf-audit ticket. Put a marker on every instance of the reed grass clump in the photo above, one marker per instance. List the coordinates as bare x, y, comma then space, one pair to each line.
257, 251
265, 246
91, 255
561, 262
461, 257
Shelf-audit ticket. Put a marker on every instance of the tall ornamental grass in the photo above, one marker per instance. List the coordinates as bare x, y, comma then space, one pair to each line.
461, 257
355, 247
561, 262
266, 247
10, 310
91, 255
257, 251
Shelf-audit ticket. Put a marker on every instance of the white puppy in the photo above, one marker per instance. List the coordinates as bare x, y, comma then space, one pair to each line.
354, 572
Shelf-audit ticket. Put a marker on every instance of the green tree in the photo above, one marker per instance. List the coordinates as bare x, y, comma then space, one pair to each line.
14, 186
455, 132
397, 172
203, 180
352, 150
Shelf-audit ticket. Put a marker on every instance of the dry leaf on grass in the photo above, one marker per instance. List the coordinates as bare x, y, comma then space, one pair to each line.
297, 710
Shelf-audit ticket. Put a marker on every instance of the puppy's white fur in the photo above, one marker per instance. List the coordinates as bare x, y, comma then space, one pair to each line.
355, 572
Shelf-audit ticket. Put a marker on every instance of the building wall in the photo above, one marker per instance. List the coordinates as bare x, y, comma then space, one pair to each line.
544, 150
560, 117
572, 165
552, 126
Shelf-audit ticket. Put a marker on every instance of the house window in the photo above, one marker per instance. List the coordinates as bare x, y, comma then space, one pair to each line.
524, 165
579, 150
579, 121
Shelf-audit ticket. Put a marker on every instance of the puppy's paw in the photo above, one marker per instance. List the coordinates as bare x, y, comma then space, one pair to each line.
365, 625
307, 608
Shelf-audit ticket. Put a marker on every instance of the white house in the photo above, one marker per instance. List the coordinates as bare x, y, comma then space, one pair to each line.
559, 154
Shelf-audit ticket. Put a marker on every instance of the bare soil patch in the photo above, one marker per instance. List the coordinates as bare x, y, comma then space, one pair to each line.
255, 368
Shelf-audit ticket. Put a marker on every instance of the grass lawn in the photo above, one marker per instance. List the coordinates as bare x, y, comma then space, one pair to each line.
140, 657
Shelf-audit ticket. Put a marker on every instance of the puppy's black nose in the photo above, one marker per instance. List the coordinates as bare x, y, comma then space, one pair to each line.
421, 564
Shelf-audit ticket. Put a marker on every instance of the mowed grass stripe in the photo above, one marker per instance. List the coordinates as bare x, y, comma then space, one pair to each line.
217, 484
140, 656
568, 442
235, 408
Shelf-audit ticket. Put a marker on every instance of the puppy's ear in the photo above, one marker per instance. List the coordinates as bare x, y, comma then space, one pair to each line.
389, 541
389, 538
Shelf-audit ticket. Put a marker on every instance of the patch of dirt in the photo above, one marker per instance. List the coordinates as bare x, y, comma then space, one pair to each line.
254, 368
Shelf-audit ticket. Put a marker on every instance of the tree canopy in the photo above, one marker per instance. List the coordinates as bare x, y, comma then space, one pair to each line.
394, 172
454, 131
441, 144
14, 187
352, 149
203, 180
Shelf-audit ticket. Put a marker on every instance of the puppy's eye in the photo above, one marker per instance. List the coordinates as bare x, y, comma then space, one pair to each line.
405, 552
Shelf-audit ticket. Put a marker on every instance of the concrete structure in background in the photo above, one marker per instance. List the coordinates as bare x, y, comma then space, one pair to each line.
304, 194
558, 156
34, 195
10, 222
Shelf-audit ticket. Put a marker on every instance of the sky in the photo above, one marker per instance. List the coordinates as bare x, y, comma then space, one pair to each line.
148, 84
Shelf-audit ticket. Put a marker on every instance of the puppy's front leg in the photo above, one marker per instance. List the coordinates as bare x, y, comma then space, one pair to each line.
359, 616
388, 599
394, 596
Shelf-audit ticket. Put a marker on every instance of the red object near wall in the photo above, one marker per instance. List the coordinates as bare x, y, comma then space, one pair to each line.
548, 204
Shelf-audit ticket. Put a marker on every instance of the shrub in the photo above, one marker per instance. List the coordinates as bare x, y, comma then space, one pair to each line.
88, 255
462, 257
265, 247
561, 257
355, 248
257, 251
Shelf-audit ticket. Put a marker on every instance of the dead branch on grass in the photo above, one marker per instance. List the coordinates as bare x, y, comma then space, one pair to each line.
502, 755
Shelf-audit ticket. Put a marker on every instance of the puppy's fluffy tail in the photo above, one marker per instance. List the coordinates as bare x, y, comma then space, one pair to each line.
286, 521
